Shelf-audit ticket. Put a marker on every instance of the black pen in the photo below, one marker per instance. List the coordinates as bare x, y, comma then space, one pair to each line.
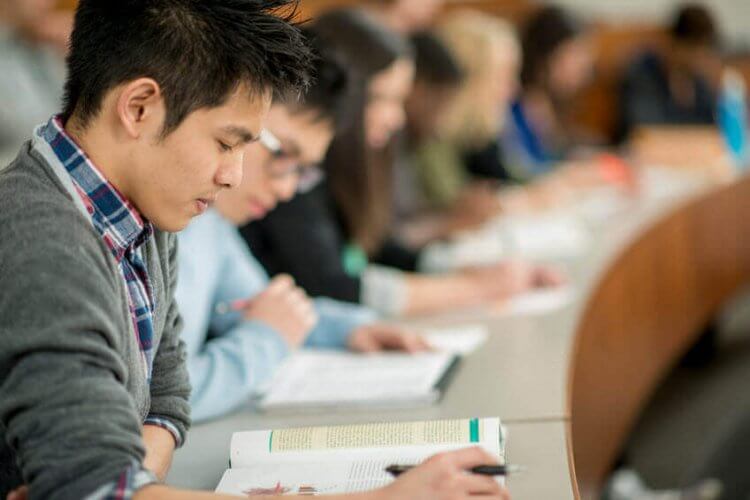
484, 470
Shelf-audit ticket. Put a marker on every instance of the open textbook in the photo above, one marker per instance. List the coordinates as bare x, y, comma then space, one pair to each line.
318, 380
346, 459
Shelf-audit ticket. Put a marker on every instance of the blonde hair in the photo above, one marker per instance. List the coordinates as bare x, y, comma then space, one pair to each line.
474, 39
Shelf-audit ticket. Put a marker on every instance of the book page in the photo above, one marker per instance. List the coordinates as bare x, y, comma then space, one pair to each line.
546, 237
319, 477
323, 379
349, 441
538, 302
460, 339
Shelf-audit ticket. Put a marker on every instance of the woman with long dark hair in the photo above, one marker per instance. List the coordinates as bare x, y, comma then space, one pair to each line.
335, 239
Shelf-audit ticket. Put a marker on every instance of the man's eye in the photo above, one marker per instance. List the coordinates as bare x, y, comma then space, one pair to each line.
224, 146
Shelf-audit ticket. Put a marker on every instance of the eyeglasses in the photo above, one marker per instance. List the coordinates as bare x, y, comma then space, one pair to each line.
308, 175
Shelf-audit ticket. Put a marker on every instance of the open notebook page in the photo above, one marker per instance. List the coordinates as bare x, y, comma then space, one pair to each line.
459, 339
538, 302
323, 379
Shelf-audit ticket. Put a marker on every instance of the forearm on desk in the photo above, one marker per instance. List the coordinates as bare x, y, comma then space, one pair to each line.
426, 294
160, 446
393, 292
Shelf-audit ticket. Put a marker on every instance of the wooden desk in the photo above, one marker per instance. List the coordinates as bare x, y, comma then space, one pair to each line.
540, 447
646, 310
526, 373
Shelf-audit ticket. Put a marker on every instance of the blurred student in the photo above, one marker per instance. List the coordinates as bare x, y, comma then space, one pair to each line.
404, 16
33, 42
676, 87
453, 125
490, 52
331, 238
557, 64
437, 80
463, 149
232, 354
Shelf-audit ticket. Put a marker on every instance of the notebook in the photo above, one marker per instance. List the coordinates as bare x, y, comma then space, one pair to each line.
320, 381
346, 459
460, 339
545, 237
538, 302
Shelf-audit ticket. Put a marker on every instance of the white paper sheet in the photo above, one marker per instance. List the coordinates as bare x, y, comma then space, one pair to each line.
460, 339
325, 379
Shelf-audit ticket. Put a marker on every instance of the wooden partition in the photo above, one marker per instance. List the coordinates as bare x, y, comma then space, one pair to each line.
515, 10
643, 315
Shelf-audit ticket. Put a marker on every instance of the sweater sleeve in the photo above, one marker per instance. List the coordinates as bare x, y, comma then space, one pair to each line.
65, 413
170, 386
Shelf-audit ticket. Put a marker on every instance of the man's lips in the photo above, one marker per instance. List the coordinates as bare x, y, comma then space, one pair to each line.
202, 204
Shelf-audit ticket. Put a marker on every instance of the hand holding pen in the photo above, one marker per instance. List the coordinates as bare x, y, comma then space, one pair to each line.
282, 306
444, 477
482, 470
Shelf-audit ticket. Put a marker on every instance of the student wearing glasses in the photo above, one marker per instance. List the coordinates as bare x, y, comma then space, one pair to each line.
238, 325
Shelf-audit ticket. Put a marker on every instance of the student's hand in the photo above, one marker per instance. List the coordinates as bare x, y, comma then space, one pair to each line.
21, 493
285, 308
510, 278
476, 205
444, 477
548, 277
380, 337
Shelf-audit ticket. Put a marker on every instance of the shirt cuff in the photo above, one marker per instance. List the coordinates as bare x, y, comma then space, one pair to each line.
131, 480
336, 323
384, 289
168, 425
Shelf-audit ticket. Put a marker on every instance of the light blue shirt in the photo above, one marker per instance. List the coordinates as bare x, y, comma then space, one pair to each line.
230, 359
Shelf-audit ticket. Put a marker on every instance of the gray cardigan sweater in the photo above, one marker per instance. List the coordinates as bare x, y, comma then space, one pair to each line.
73, 394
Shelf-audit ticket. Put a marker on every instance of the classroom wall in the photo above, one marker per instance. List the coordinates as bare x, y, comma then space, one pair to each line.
734, 15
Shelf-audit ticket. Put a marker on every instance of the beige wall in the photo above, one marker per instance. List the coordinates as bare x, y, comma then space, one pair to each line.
734, 15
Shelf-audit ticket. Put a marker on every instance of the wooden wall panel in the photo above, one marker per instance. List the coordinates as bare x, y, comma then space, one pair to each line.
514, 10
645, 313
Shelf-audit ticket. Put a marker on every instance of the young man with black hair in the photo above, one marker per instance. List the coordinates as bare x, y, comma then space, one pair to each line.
233, 354
91, 362
161, 98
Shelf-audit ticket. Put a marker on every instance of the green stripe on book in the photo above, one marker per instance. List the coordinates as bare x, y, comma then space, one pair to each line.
474, 430
270, 442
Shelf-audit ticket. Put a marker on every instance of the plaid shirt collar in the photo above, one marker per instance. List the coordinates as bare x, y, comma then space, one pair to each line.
115, 218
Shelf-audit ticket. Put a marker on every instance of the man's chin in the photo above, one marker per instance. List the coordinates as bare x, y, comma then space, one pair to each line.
173, 225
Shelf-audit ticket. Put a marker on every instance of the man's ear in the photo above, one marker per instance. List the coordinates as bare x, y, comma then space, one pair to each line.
140, 107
